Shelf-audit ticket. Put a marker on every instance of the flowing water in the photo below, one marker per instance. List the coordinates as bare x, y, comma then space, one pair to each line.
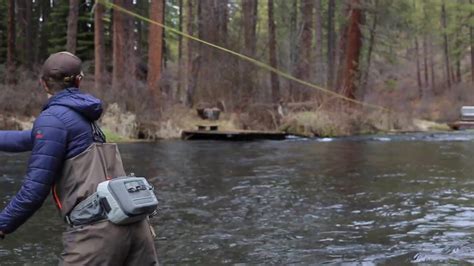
391, 200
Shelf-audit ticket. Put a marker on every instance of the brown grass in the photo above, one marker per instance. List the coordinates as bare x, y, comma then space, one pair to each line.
328, 123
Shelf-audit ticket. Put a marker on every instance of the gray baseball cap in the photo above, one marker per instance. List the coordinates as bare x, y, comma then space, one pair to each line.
62, 66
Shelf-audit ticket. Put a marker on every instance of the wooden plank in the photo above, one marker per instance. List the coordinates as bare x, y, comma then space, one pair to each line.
232, 135
460, 125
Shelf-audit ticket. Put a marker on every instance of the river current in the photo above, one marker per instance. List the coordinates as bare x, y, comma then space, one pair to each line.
375, 200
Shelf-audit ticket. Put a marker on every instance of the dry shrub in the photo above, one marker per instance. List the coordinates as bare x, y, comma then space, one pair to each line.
395, 86
258, 117
119, 122
314, 124
21, 102
330, 122
10, 122
445, 106
26, 98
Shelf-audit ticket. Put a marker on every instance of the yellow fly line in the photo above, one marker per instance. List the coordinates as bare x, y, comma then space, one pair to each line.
109, 4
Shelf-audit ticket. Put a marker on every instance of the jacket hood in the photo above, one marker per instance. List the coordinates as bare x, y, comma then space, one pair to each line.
83, 103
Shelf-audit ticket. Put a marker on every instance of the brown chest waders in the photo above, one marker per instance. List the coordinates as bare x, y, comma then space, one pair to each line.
102, 242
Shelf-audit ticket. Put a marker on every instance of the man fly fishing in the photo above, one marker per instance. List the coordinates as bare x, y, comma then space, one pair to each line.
71, 159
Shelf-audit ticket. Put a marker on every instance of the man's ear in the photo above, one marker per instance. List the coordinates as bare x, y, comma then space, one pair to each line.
77, 80
45, 86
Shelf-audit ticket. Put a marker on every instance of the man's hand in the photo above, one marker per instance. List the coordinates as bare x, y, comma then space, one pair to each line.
2, 235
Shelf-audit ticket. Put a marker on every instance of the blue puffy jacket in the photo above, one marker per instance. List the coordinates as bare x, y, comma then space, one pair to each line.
61, 131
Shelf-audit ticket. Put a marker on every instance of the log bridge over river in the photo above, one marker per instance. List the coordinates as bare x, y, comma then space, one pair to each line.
212, 133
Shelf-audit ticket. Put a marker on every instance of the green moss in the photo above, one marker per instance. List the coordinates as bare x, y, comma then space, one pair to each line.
114, 137
440, 127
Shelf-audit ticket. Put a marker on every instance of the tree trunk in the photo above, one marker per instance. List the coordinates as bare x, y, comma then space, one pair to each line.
372, 33
453, 74
293, 43
458, 47
208, 85
425, 60
25, 43
418, 69
119, 43
141, 43
249, 13
29, 47
131, 42
445, 44
99, 47
331, 31
35, 34
72, 26
305, 44
458, 71
275, 83
319, 41
432, 65
340, 54
353, 48
471, 37
21, 27
190, 80
341, 45
45, 7
164, 45
155, 47
180, 52
11, 68
249, 17
223, 18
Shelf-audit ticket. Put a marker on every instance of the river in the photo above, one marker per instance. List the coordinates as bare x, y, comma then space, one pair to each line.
363, 200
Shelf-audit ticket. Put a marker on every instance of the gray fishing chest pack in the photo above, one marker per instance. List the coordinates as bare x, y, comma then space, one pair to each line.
122, 200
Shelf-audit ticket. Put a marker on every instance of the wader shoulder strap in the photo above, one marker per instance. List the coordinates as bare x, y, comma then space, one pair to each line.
97, 133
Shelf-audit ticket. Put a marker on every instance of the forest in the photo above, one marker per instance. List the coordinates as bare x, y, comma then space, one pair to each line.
309, 67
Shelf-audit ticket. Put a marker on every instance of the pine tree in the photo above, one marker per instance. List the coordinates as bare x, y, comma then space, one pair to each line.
44, 30
249, 25
11, 39
191, 69
471, 38
352, 50
331, 50
57, 26
155, 48
24, 34
303, 69
3, 31
72, 26
99, 47
272, 43
119, 76
444, 24
85, 35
